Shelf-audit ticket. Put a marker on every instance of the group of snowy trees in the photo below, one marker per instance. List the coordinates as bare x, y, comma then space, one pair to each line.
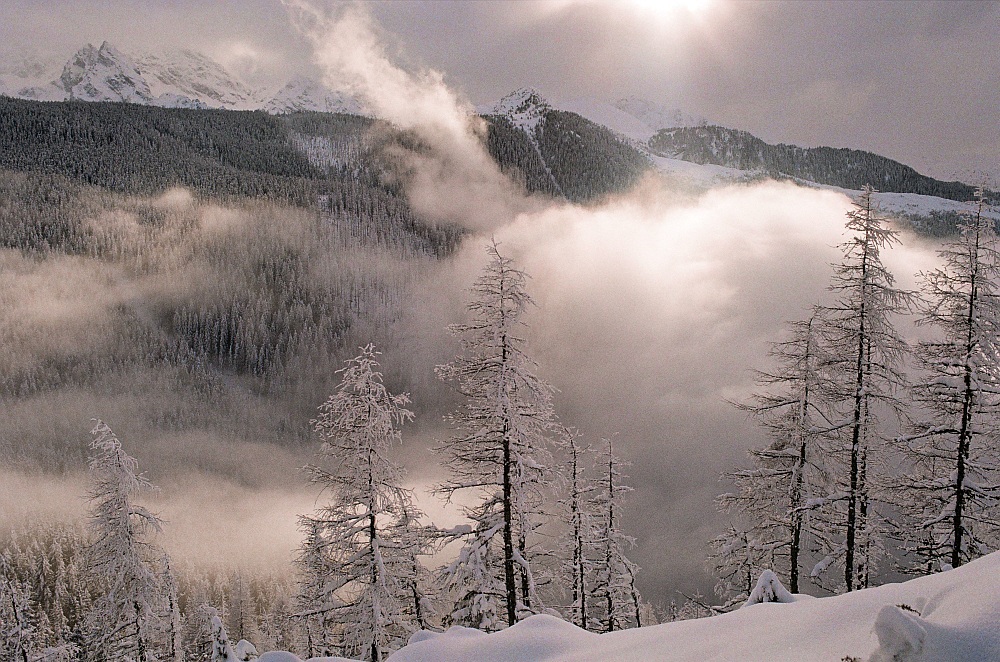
128, 610
363, 584
110, 592
363, 588
852, 484
866, 471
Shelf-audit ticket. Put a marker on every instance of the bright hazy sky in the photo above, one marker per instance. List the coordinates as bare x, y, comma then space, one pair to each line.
915, 81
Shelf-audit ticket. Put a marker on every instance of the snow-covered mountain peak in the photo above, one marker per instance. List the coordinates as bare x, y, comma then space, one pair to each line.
525, 107
656, 116
303, 93
198, 78
518, 102
174, 79
103, 74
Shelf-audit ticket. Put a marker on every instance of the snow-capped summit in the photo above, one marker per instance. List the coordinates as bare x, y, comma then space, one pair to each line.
172, 79
303, 93
631, 117
656, 116
525, 107
524, 100
104, 74
185, 74
28, 76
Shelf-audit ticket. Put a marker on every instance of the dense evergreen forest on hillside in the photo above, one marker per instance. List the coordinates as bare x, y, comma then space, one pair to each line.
229, 259
566, 155
224, 154
849, 168
244, 284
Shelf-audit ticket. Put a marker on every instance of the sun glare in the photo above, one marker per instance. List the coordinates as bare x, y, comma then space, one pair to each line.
673, 7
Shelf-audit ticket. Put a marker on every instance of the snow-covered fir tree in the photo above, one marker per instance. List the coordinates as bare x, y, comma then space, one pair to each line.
500, 452
951, 494
865, 353
19, 637
222, 649
363, 532
615, 603
775, 495
125, 621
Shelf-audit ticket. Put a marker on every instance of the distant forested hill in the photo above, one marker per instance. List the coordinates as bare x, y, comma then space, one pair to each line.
848, 168
130, 148
137, 149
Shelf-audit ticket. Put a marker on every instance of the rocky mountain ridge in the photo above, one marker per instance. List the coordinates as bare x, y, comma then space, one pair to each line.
173, 79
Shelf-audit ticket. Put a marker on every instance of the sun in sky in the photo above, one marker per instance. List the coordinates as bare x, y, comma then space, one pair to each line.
667, 8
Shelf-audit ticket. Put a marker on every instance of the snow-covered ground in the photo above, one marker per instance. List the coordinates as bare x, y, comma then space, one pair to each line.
948, 617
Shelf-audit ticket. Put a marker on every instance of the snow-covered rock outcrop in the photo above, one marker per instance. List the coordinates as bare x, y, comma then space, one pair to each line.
525, 108
103, 74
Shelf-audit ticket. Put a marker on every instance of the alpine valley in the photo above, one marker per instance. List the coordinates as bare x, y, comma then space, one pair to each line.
195, 261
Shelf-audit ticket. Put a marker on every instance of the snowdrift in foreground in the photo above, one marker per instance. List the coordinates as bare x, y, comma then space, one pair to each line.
949, 616
946, 617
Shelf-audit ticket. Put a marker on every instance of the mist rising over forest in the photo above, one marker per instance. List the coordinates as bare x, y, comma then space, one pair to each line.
202, 280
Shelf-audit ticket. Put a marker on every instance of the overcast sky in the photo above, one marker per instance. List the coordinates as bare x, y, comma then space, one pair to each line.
918, 82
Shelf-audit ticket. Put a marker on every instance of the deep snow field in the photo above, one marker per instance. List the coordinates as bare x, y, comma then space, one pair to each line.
947, 617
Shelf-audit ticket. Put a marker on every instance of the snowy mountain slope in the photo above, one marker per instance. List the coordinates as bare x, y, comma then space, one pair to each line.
303, 93
709, 156
525, 108
185, 73
682, 147
636, 119
171, 79
103, 74
606, 114
28, 76
948, 617
927, 214
849, 168
559, 152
